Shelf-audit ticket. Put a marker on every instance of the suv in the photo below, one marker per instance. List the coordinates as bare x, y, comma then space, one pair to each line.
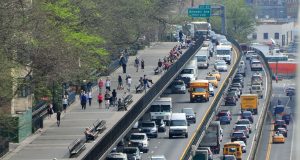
139, 140
149, 128
257, 89
231, 98
190, 114
235, 89
247, 115
223, 113
245, 122
133, 153
238, 136
242, 128
210, 154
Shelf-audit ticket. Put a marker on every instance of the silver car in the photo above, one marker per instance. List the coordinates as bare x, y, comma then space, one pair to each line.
221, 66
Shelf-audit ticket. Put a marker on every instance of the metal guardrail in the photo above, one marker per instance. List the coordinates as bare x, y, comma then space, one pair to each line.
102, 147
260, 122
201, 130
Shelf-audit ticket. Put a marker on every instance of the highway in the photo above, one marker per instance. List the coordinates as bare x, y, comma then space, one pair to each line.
235, 111
174, 148
281, 151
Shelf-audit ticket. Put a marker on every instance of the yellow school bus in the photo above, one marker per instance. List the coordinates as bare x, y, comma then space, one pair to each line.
233, 148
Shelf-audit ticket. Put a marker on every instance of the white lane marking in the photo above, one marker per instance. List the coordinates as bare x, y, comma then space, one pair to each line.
292, 146
254, 137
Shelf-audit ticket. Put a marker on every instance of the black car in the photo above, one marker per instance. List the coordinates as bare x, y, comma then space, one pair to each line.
238, 136
230, 99
238, 80
190, 115
161, 125
238, 75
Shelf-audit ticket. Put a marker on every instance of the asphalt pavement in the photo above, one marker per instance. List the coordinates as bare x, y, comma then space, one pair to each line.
52, 141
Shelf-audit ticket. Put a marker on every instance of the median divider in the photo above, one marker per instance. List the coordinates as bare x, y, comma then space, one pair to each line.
257, 139
198, 135
119, 130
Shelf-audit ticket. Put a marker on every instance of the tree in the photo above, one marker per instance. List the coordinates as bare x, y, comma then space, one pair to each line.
240, 20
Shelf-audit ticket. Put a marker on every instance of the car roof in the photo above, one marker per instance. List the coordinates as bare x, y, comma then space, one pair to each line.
243, 120
138, 134
247, 112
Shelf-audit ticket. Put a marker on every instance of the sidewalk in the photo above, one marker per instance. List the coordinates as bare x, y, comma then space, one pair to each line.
52, 141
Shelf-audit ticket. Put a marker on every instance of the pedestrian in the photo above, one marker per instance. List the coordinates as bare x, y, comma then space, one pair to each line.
276, 78
58, 113
107, 83
145, 82
128, 82
120, 83
100, 99
119, 104
107, 103
107, 99
142, 65
100, 85
159, 64
123, 62
83, 99
90, 98
114, 97
180, 36
65, 103
137, 63
50, 110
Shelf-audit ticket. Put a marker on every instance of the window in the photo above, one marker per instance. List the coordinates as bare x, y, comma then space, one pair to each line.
266, 36
254, 36
276, 35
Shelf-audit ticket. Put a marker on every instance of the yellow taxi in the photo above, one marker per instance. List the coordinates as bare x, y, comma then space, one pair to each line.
278, 138
216, 74
213, 80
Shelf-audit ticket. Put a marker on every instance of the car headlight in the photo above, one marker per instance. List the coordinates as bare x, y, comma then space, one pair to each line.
153, 130
182, 88
129, 142
193, 95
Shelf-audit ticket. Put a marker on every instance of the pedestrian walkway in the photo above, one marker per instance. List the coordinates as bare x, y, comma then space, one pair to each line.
52, 141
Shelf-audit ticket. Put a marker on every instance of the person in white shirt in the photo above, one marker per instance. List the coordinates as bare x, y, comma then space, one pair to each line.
128, 82
90, 98
65, 103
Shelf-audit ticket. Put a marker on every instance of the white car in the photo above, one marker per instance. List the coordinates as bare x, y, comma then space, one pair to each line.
139, 140
221, 65
158, 157
243, 145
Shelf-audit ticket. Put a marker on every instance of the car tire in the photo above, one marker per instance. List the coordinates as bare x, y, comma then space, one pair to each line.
186, 135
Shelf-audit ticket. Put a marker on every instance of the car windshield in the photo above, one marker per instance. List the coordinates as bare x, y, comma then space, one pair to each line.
129, 150
255, 62
201, 58
210, 78
243, 122
199, 90
237, 134
224, 118
178, 123
223, 52
137, 137
255, 87
240, 127
280, 122
222, 114
147, 124
221, 63
187, 71
165, 108
188, 111
231, 94
178, 83
247, 114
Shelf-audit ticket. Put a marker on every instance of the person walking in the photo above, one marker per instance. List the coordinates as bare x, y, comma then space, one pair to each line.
107, 83
100, 99
90, 97
50, 110
58, 113
123, 62
180, 34
128, 82
137, 63
83, 99
143, 65
114, 97
100, 85
159, 64
145, 82
120, 83
107, 99
65, 103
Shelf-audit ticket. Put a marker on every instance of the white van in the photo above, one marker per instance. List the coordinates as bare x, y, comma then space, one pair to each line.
242, 68
190, 71
161, 108
202, 59
178, 125
224, 53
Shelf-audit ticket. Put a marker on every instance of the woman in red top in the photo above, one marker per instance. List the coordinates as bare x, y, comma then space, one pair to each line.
100, 99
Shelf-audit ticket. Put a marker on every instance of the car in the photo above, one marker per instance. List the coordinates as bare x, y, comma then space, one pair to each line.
282, 131
190, 114
216, 74
290, 91
210, 154
238, 75
241, 128
224, 120
211, 90
257, 79
139, 140
161, 125
245, 122
238, 80
233, 93
228, 157
230, 99
116, 156
158, 157
222, 113
279, 124
235, 89
238, 136
178, 86
150, 128
249, 54
243, 145
213, 80
221, 66
278, 138
256, 65
247, 115
133, 153
238, 85
257, 89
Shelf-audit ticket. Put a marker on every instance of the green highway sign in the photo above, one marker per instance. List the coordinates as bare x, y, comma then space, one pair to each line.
199, 12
